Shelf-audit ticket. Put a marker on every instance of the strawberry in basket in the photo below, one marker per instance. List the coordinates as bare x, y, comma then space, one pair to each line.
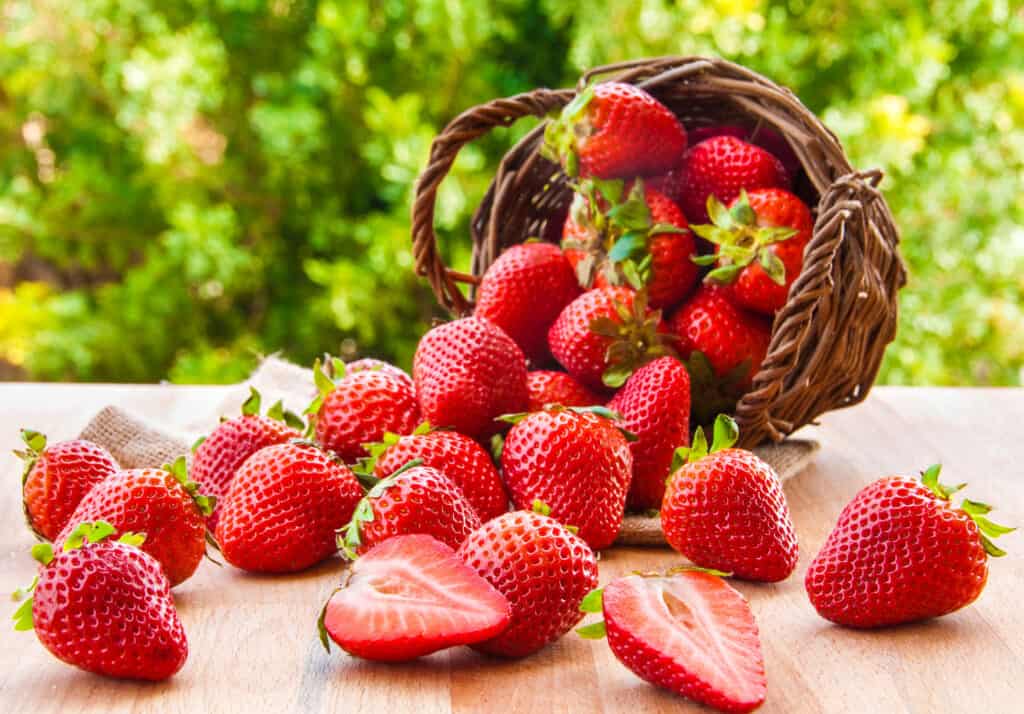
768, 139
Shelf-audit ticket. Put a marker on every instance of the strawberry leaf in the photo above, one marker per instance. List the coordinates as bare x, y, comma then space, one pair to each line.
43, 552
23, 616
251, 405
726, 433
593, 601
593, 631
773, 266
724, 274
538, 506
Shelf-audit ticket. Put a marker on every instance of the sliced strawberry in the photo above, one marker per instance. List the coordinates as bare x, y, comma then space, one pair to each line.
689, 632
410, 596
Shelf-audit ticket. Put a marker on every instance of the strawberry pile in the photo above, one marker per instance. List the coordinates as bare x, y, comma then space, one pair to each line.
470, 498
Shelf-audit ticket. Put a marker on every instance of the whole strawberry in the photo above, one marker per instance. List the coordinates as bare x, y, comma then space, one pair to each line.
546, 387
768, 139
654, 406
722, 167
105, 606
368, 364
630, 235
217, 457
284, 507
576, 462
467, 373
602, 336
414, 499
614, 130
902, 552
57, 477
355, 409
544, 571
688, 632
455, 455
725, 509
759, 246
162, 503
733, 341
523, 291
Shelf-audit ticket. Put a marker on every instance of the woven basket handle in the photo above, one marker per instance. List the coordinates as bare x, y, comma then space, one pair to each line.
468, 126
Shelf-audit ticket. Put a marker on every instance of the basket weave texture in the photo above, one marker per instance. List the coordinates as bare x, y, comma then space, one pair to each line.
827, 340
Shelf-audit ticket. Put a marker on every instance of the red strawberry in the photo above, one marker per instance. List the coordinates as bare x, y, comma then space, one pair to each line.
356, 409
284, 507
768, 139
217, 457
614, 130
630, 235
669, 183
725, 509
557, 388
734, 341
467, 373
368, 364
443, 602
723, 166
605, 334
523, 291
576, 463
759, 246
163, 504
105, 606
57, 477
689, 632
902, 552
654, 405
414, 499
456, 456
543, 570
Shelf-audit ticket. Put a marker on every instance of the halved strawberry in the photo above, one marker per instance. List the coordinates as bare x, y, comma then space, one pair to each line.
410, 596
689, 632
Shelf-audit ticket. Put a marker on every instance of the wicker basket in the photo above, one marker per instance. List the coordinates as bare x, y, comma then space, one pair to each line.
827, 341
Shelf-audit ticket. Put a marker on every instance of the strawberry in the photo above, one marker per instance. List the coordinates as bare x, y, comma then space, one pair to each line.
688, 632
455, 455
902, 552
414, 499
576, 462
354, 409
721, 167
654, 405
284, 507
724, 509
216, 458
669, 183
768, 139
468, 372
443, 602
632, 234
162, 503
547, 387
544, 571
723, 346
759, 246
368, 364
614, 130
605, 334
56, 479
523, 291
105, 606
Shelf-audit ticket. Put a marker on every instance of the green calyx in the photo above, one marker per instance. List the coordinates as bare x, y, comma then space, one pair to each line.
741, 242
350, 537
592, 602
93, 532
634, 339
251, 407
179, 470
712, 395
325, 384
977, 511
563, 133
725, 434
35, 443
597, 410
365, 467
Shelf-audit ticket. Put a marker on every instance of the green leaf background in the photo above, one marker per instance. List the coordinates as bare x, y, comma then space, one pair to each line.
187, 184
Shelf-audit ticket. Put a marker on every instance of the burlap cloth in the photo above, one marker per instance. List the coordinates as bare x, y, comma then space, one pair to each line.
137, 442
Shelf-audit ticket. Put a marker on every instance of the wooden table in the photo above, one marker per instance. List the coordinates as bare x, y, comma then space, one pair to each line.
254, 645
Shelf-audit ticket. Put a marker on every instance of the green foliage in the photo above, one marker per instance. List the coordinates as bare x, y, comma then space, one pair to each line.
187, 184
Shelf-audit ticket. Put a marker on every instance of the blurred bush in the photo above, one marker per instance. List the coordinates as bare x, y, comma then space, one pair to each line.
186, 184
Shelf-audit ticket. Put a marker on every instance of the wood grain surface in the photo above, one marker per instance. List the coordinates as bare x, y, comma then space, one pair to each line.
253, 639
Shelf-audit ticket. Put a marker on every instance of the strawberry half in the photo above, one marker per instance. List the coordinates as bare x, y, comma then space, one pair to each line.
689, 632
410, 596
614, 130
